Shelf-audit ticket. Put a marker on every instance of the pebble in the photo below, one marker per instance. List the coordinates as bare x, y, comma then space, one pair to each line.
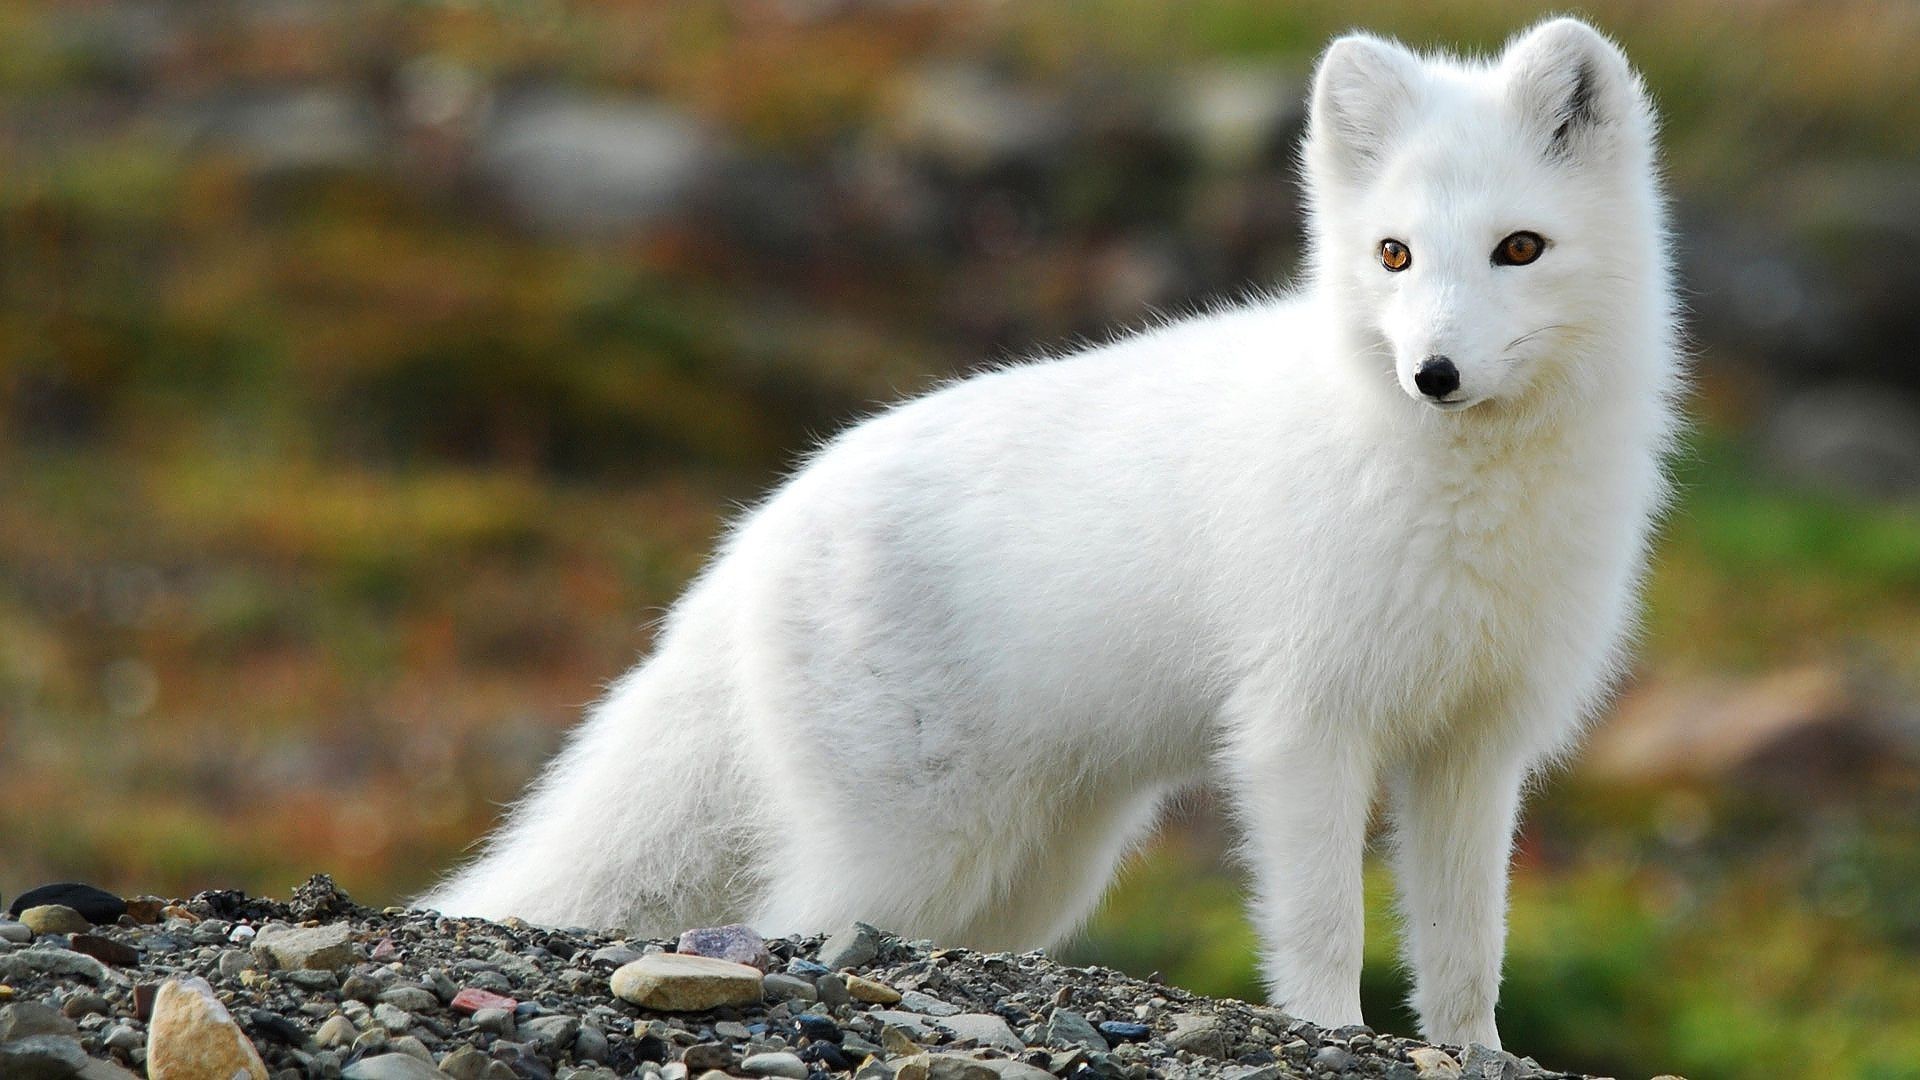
498, 1021
915, 1001
326, 947
1485, 1063
464, 1063
391, 1067
779, 1063
472, 999
411, 998
23, 964
41, 1056
864, 989
106, 950
1332, 1059
674, 983
25, 1019
856, 946
983, 1028
15, 933
97, 906
192, 1036
1069, 1028
85, 1004
779, 987
1124, 1031
1433, 1063
708, 1056
54, 919
736, 942
336, 1031
1203, 1035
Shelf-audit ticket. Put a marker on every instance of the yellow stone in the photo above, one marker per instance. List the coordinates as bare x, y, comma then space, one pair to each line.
871, 992
193, 1037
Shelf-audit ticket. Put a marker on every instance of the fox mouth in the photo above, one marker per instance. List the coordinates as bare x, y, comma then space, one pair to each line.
1454, 404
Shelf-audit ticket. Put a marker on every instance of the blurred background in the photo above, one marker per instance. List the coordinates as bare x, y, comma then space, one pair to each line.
371, 375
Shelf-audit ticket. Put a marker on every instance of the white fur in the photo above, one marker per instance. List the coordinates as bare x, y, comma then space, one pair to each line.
942, 679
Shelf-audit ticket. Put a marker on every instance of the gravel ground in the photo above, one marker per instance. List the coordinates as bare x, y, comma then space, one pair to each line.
317, 986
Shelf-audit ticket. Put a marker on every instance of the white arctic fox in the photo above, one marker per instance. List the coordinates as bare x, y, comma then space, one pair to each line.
1384, 531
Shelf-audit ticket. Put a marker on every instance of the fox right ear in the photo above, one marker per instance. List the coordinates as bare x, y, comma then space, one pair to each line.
1362, 89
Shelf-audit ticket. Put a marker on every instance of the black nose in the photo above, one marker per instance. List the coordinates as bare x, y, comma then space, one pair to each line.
1437, 377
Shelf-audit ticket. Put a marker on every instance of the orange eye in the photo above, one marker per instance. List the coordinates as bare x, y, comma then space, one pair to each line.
1394, 255
1519, 249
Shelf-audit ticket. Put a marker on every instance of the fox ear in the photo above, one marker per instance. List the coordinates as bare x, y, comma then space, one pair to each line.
1363, 88
1572, 85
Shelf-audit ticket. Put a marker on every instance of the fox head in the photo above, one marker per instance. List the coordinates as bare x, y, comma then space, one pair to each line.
1483, 225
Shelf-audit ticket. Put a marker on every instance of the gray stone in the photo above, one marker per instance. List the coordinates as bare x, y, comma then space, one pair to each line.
316, 979
916, 1026
555, 1032
358, 987
232, 962
41, 1057
391, 1067
1015, 1070
779, 1063
1069, 1028
856, 946
395, 1019
1203, 1035
119, 1037
498, 1021
832, 988
328, 947
916, 1001
23, 964
590, 1044
411, 998
1332, 1059
407, 1044
780, 986
1485, 1063
14, 932
983, 1028
619, 954
25, 1019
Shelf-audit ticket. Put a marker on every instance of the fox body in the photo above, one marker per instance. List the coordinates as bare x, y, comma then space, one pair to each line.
944, 677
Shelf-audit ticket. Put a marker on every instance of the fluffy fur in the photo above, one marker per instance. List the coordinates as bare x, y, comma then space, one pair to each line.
944, 676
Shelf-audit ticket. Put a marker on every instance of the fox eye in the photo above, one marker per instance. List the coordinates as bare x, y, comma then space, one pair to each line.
1395, 256
1519, 249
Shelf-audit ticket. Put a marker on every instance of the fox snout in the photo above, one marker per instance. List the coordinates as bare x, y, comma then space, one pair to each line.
1436, 377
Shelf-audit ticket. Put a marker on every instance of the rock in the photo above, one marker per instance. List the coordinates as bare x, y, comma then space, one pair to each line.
782, 987
1203, 1035
472, 999
106, 950
1432, 1063
85, 1004
1117, 1031
1485, 1063
498, 1021
391, 1067
25, 1019
983, 1028
1069, 1028
358, 987
15, 933
464, 1063
319, 980
411, 998
412, 1047
395, 1019
319, 948
736, 942
873, 993
26, 963
591, 1044
617, 955
41, 1057
95, 905
708, 1056
815, 1026
856, 946
779, 1063
556, 1032
578, 166
193, 1037
915, 1001
674, 983
54, 919
1332, 1059
145, 910
337, 1031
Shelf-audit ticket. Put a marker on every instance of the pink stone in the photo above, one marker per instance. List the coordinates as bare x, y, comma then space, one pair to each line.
736, 942
472, 999
384, 950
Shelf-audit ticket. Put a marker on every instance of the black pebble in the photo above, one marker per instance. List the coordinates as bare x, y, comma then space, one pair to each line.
825, 1053
277, 1028
815, 1026
1123, 1031
98, 906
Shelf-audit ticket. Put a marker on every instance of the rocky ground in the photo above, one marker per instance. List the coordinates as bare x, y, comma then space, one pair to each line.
226, 985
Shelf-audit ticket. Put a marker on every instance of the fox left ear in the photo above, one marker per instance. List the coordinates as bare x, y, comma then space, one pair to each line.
1574, 86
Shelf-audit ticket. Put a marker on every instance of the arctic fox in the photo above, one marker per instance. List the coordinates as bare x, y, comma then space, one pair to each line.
1382, 532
